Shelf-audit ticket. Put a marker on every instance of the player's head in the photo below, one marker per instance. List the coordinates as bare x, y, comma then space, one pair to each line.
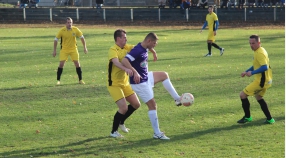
120, 37
151, 40
210, 8
254, 42
68, 22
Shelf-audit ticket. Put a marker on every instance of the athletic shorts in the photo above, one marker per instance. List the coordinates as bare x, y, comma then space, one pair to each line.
211, 36
255, 89
64, 54
119, 92
145, 90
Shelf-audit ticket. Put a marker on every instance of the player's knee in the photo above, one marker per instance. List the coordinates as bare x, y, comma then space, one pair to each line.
242, 95
258, 97
136, 105
123, 110
166, 75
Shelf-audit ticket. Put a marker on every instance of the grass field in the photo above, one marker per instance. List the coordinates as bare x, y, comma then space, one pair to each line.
39, 119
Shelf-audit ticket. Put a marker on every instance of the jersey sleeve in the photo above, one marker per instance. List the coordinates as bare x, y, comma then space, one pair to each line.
129, 47
59, 34
112, 53
78, 32
261, 58
215, 17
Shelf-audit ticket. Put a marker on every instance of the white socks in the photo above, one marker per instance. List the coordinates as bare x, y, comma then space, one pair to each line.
154, 121
169, 87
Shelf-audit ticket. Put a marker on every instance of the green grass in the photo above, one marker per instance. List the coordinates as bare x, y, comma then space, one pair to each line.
39, 119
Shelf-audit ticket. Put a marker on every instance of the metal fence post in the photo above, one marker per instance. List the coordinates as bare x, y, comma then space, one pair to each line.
51, 15
24, 14
244, 14
131, 12
275, 9
159, 14
187, 15
104, 18
77, 15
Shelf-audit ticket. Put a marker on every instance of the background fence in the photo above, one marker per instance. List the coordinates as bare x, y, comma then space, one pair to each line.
139, 14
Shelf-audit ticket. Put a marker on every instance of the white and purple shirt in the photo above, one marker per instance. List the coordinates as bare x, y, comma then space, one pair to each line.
138, 57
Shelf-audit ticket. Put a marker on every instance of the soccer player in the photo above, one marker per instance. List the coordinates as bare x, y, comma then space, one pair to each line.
212, 23
262, 81
68, 36
142, 81
118, 83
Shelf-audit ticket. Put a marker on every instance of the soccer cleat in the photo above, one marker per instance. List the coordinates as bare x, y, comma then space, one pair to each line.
161, 136
116, 135
123, 128
271, 121
208, 55
81, 82
58, 82
178, 103
245, 119
221, 51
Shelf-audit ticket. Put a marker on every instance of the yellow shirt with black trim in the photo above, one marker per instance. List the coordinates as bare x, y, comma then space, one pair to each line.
116, 76
68, 37
261, 58
211, 18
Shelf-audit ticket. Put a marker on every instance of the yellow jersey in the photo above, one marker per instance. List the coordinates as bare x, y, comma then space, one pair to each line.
261, 58
211, 18
68, 37
116, 76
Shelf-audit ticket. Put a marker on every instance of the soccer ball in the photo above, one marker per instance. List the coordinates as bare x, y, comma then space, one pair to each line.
187, 99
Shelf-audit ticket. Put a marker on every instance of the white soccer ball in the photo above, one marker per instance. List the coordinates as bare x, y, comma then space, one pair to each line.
187, 99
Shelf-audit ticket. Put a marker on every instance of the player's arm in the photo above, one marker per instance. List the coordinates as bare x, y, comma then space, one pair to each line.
154, 54
216, 26
55, 46
257, 71
126, 62
204, 26
118, 64
83, 43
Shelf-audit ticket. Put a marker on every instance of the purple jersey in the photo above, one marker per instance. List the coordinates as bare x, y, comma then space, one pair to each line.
138, 57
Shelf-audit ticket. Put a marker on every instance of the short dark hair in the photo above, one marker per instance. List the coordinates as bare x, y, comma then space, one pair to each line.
256, 37
151, 36
210, 6
118, 33
69, 18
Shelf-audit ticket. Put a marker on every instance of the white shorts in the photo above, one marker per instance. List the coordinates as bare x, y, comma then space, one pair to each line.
145, 90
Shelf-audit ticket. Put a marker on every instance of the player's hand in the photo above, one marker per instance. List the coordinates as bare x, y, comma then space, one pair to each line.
155, 57
54, 53
201, 31
248, 73
242, 74
214, 33
85, 50
136, 78
129, 72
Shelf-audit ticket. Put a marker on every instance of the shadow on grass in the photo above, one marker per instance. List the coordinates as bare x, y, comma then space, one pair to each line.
72, 150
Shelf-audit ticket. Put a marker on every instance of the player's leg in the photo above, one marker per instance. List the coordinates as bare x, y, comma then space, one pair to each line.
218, 47
119, 98
63, 58
210, 40
161, 76
152, 113
60, 71
247, 91
134, 105
264, 106
75, 59
145, 92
